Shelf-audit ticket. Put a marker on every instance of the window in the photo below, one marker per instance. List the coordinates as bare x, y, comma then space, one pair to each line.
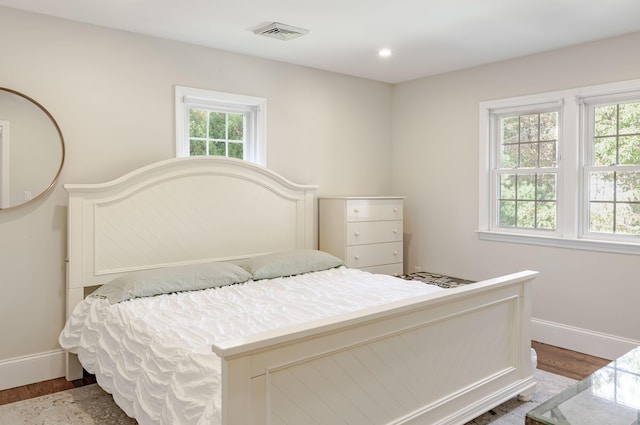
563, 168
224, 124
526, 172
612, 170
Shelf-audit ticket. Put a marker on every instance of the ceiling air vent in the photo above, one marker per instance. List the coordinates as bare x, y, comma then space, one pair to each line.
280, 31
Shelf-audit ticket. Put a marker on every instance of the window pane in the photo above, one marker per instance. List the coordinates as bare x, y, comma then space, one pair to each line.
510, 156
197, 147
527, 200
526, 214
546, 189
236, 126
615, 202
216, 129
529, 141
628, 186
628, 218
549, 126
197, 123
604, 151
217, 148
601, 217
601, 186
546, 215
526, 188
217, 125
548, 154
529, 128
507, 186
606, 120
529, 155
510, 129
507, 213
629, 150
235, 150
629, 118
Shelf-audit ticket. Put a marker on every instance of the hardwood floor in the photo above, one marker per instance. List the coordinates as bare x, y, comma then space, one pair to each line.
42, 388
551, 359
566, 362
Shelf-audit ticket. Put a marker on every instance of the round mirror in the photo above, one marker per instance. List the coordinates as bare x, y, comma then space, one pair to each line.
31, 149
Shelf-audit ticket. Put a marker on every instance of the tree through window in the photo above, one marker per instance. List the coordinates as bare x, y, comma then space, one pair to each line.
563, 168
613, 169
222, 124
527, 175
216, 133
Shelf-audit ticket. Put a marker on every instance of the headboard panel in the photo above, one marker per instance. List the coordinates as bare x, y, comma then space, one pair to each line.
182, 211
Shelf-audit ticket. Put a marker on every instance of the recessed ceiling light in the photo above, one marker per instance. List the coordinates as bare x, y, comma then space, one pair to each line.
384, 53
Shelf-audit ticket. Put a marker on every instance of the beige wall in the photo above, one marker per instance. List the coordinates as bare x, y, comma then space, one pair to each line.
435, 164
112, 95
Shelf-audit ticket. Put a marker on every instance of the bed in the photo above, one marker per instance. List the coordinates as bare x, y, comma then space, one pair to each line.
410, 355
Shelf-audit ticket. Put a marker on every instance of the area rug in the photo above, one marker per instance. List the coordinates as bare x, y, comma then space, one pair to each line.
436, 279
90, 405
513, 412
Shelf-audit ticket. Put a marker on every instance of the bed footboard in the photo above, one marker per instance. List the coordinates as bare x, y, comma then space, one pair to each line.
440, 359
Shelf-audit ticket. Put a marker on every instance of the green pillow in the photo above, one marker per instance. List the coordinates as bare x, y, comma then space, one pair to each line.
290, 263
148, 283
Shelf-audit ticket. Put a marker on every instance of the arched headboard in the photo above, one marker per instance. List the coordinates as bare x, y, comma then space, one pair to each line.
182, 211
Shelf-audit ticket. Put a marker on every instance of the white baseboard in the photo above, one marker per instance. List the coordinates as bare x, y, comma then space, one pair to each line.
581, 340
32, 368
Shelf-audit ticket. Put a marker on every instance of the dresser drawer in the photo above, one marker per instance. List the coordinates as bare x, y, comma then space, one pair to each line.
366, 232
374, 209
359, 256
390, 269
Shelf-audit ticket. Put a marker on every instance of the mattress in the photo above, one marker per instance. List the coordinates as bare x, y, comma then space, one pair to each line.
154, 354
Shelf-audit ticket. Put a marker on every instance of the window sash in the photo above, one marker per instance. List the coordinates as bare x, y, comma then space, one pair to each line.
497, 169
609, 204
226, 140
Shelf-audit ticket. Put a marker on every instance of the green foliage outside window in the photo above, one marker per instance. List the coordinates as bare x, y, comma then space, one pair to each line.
528, 199
614, 192
216, 133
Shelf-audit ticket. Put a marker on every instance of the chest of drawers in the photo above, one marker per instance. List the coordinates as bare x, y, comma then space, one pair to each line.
365, 232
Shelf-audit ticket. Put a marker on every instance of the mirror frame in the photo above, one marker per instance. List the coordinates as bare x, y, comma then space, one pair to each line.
62, 145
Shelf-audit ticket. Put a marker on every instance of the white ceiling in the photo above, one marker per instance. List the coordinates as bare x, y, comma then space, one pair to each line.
427, 37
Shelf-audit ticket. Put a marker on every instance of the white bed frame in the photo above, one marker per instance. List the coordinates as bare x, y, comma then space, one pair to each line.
439, 359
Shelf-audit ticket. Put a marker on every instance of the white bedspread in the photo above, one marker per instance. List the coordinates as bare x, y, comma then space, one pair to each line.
154, 354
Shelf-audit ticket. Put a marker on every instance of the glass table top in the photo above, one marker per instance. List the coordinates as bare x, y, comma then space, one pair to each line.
609, 396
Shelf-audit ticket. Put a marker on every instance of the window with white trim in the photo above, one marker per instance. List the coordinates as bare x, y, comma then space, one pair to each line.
526, 168
217, 123
612, 167
563, 168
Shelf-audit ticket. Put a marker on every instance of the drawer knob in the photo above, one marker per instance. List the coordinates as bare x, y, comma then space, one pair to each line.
395, 252
395, 230
355, 210
356, 257
395, 209
356, 234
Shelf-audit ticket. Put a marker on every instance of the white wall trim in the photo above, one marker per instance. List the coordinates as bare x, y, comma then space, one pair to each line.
26, 370
581, 340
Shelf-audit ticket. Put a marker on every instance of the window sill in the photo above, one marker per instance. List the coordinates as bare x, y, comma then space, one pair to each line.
569, 243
